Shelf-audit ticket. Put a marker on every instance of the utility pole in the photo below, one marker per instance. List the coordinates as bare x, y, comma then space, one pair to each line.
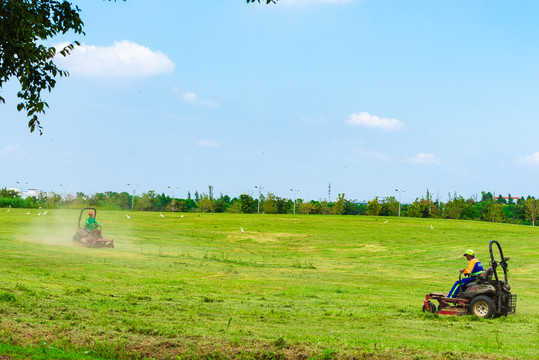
132, 197
259, 187
399, 191
22, 183
173, 187
329, 192
64, 187
294, 191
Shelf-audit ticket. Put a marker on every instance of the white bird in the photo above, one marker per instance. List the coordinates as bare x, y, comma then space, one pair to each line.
7, 210
45, 213
182, 216
39, 214
385, 222
241, 229
28, 213
161, 215
127, 216
431, 227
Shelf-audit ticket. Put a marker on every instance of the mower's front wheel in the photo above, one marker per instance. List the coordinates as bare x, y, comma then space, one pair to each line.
482, 306
431, 309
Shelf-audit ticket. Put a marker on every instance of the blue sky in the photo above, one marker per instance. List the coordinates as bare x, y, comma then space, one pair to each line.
368, 95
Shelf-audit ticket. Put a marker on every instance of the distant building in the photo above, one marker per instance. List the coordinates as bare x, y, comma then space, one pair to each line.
30, 193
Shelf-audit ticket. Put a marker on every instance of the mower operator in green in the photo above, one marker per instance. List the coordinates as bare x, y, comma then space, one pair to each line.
474, 269
92, 225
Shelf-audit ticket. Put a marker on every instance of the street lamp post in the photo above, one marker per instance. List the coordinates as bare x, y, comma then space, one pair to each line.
173, 187
64, 187
259, 187
21, 183
294, 191
400, 191
132, 197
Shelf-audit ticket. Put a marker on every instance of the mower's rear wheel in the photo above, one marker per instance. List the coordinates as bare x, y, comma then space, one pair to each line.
431, 309
482, 306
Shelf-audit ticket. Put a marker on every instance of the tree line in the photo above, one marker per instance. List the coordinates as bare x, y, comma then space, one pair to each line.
487, 208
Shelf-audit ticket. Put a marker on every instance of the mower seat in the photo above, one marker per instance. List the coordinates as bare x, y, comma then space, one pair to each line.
487, 275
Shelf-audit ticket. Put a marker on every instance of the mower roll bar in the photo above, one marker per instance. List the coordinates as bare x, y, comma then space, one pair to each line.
494, 264
87, 208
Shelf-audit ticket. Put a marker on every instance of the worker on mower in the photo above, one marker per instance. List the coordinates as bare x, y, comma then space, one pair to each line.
92, 226
473, 270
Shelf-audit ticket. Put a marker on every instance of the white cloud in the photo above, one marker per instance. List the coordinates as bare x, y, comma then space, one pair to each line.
532, 159
123, 59
423, 158
192, 98
208, 143
365, 119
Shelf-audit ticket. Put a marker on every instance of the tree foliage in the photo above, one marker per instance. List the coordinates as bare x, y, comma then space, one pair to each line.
24, 26
5, 193
374, 207
524, 211
532, 209
390, 206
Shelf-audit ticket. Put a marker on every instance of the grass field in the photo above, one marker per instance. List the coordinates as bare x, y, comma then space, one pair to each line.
286, 287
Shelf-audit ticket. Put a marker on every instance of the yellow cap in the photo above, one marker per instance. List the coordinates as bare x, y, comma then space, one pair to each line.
469, 252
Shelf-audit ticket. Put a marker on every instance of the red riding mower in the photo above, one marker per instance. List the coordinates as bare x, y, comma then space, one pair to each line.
90, 239
485, 297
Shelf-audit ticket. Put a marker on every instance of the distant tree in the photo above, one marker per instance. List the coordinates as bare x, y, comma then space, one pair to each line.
235, 206
486, 196
520, 210
307, 208
248, 204
188, 195
414, 210
206, 203
453, 208
532, 209
270, 205
351, 208
325, 208
283, 205
390, 206
494, 213
5, 193
501, 200
374, 207
197, 196
510, 199
338, 206
422, 208
469, 210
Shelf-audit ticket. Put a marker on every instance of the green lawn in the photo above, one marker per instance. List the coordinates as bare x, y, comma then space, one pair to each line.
286, 287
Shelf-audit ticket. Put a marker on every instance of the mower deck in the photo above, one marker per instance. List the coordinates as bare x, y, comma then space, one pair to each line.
446, 305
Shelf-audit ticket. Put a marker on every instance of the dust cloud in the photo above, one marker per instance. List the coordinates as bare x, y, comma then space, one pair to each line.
58, 226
